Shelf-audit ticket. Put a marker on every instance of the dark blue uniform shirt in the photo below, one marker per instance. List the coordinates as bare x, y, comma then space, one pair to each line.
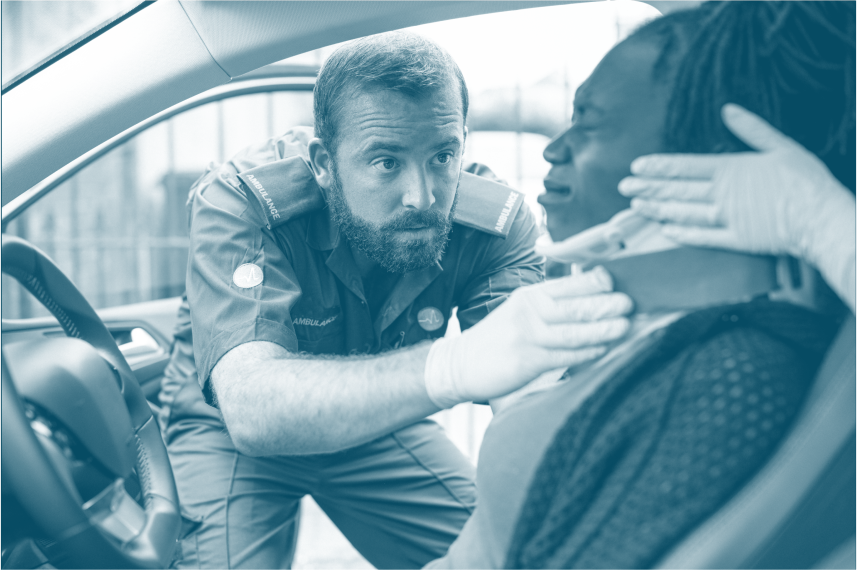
305, 292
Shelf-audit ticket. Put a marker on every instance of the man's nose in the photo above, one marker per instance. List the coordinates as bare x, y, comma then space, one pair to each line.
418, 192
557, 152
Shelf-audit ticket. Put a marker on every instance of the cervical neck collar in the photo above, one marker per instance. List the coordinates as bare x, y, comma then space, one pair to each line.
660, 275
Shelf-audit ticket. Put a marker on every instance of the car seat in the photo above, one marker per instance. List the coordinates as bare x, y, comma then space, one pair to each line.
799, 510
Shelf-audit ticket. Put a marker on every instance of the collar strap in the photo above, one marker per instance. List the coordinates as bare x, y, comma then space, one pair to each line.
691, 278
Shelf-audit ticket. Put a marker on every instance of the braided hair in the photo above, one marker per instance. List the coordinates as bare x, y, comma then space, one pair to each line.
792, 63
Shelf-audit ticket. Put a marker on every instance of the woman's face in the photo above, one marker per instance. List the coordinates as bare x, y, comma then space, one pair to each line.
619, 113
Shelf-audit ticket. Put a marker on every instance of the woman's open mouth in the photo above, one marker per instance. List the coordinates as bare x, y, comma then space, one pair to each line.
555, 194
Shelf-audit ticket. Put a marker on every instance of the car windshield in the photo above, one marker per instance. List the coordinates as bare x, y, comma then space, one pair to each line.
35, 31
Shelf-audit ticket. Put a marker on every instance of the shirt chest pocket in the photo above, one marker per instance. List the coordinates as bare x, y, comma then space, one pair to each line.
319, 330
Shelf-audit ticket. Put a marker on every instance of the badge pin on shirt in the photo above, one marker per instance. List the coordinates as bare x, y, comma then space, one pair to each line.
247, 276
430, 319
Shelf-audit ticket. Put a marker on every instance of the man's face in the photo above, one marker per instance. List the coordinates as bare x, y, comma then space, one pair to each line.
619, 113
395, 173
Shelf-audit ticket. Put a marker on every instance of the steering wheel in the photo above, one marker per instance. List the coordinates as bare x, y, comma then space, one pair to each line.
76, 428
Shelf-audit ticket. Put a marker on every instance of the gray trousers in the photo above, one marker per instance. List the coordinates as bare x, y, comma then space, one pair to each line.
400, 500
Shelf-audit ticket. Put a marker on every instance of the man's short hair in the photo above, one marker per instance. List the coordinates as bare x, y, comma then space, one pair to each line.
394, 61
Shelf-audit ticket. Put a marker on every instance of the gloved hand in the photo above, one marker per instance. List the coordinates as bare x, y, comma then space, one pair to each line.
780, 200
538, 328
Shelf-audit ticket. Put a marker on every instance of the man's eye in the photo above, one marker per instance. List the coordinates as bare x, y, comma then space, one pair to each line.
385, 164
445, 157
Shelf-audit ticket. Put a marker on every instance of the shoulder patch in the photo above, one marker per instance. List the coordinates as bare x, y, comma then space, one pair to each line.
486, 205
285, 189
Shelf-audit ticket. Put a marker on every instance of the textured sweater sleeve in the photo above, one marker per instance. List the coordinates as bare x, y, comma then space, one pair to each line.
646, 460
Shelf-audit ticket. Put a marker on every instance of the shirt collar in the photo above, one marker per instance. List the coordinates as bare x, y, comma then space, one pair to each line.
323, 234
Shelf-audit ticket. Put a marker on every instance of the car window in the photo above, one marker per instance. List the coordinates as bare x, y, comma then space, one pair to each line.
118, 227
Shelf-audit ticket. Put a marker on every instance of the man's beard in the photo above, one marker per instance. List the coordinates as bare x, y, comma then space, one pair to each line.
383, 243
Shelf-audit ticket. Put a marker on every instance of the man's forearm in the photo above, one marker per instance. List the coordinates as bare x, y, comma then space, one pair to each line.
275, 402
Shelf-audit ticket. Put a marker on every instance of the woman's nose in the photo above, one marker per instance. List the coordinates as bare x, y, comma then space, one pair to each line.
557, 152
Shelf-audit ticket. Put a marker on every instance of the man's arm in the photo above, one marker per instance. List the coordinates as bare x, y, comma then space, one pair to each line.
278, 402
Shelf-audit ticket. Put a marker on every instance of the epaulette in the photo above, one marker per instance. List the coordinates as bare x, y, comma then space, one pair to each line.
486, 205
286, 189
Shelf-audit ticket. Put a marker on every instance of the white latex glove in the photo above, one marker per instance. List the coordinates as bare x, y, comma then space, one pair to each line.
538, 328
780, 200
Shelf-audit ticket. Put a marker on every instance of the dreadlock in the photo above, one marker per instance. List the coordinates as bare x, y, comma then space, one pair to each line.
792, 63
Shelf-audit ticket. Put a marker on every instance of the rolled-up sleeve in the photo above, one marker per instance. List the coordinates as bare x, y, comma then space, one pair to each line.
505, 265
226, 232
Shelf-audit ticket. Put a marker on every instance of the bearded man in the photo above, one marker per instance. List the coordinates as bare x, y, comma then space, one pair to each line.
324, 266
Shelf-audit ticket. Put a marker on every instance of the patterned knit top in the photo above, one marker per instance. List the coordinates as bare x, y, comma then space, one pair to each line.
614, 478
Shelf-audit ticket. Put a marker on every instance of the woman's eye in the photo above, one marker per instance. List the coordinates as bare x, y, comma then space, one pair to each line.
386, 164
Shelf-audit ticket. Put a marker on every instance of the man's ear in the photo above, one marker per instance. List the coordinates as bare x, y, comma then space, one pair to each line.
463, 148
320, 162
